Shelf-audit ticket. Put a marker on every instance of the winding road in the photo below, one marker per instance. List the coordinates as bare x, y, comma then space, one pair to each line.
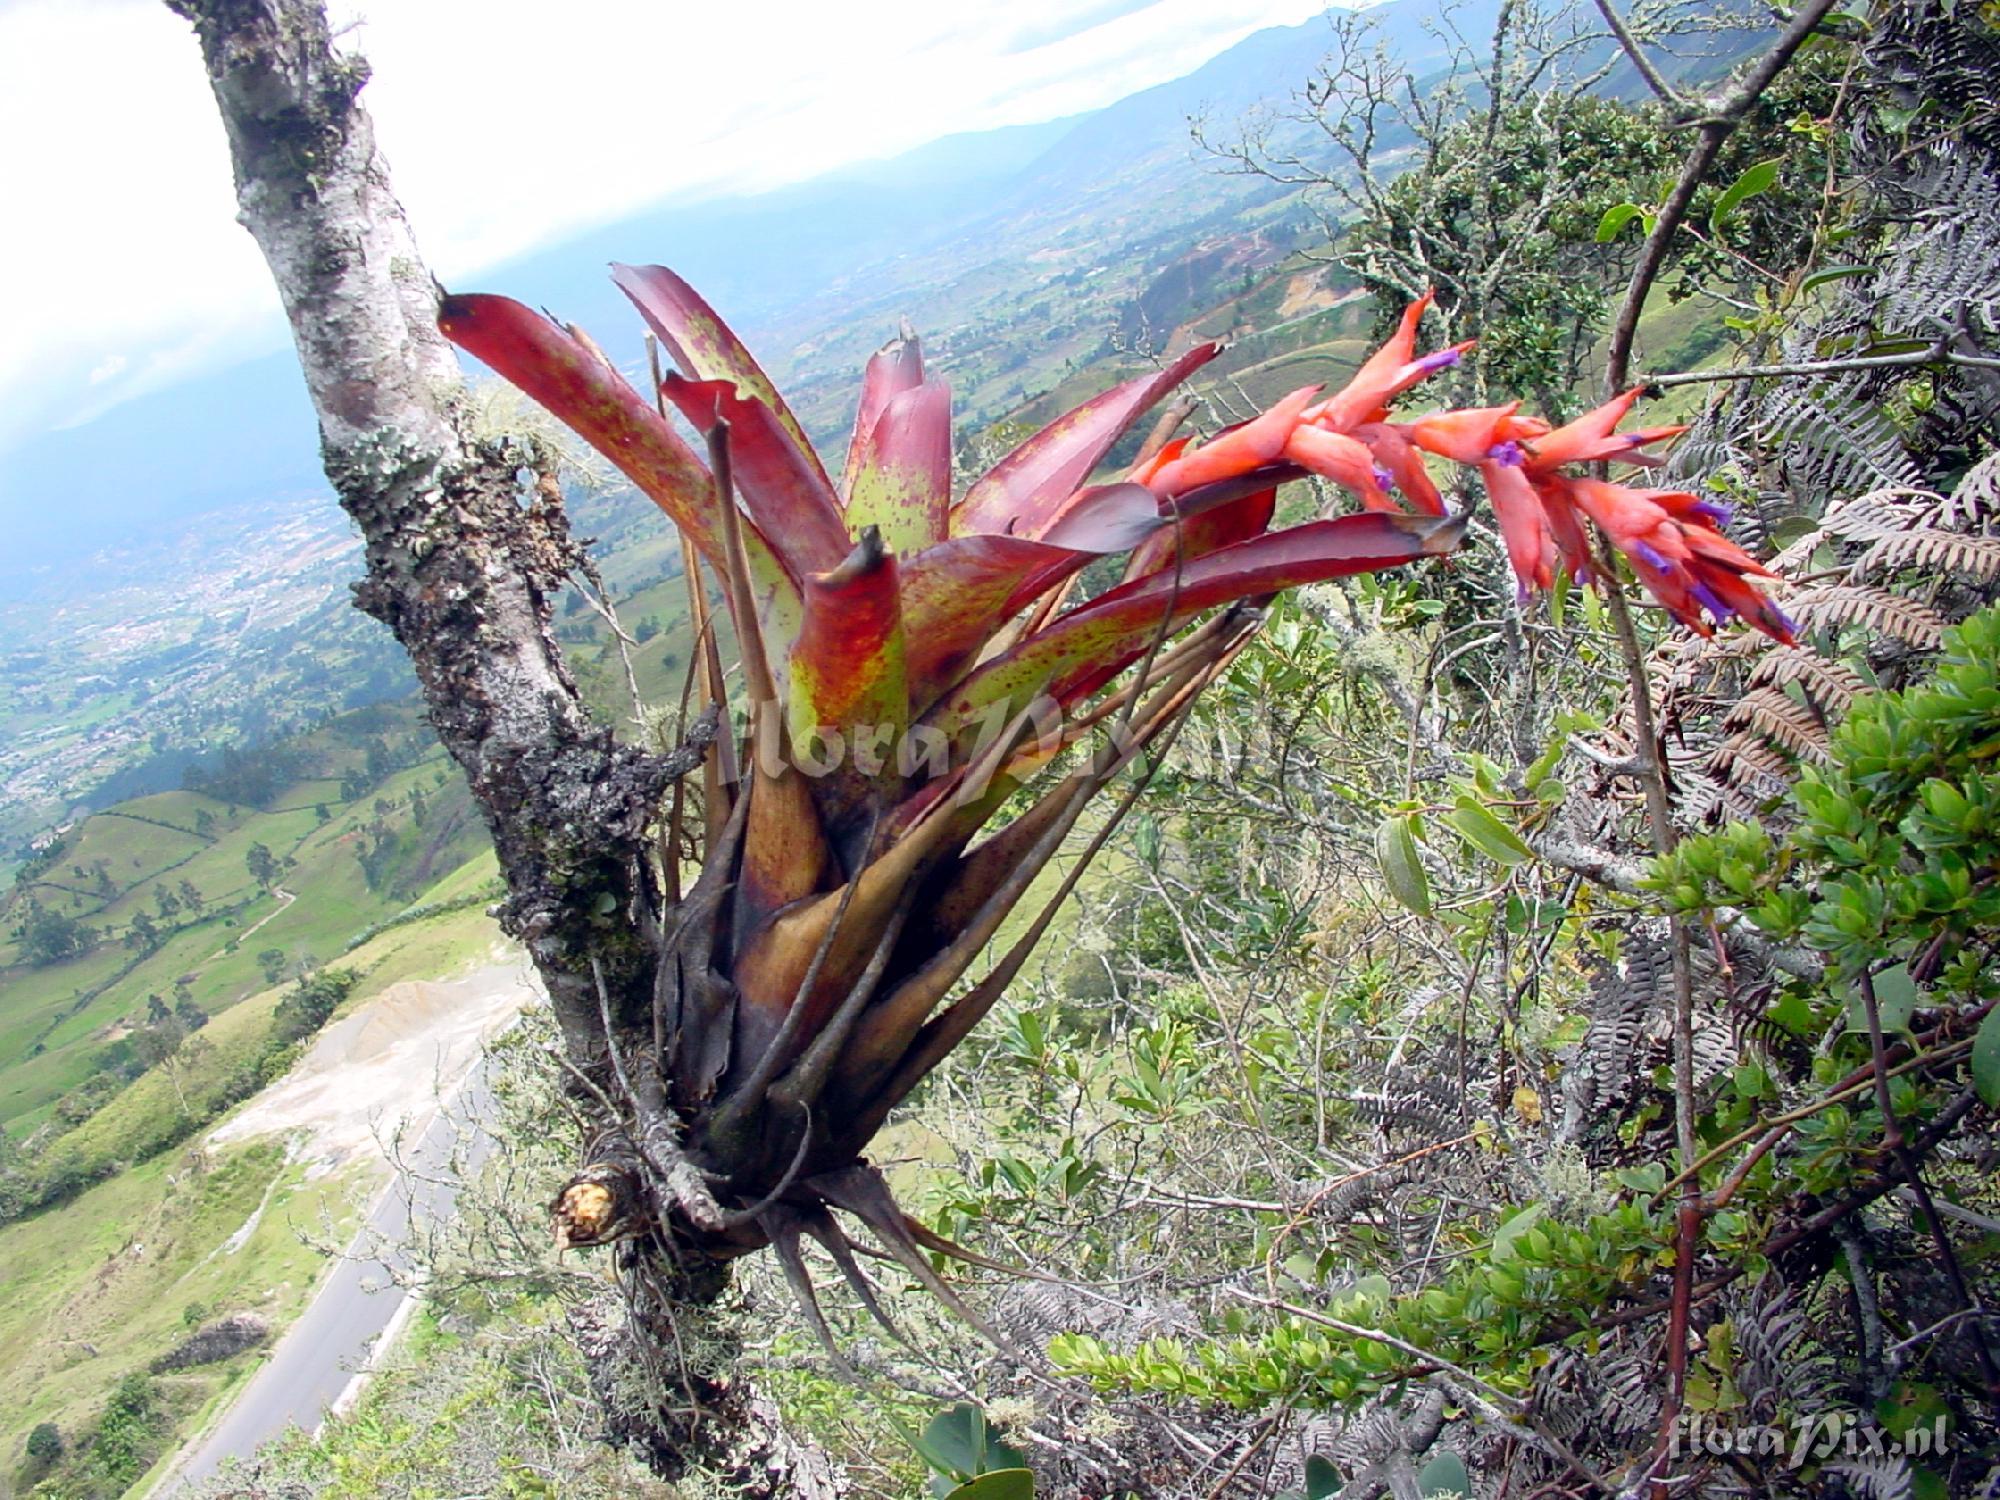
334, 1338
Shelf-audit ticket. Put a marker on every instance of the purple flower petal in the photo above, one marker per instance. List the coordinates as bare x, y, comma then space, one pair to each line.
1716, 512
1444, 359
1651, 556
1509, 453
1710, 602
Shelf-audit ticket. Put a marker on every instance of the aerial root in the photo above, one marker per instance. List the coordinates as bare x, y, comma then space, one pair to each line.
782, 1224
860, 1191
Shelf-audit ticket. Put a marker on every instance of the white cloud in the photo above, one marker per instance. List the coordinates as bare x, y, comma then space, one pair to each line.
509, 124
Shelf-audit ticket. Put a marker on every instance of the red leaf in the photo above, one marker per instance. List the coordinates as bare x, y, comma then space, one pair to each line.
782, 489
704, 346
1025, 488
900, 479
896, 367
572, 380
958, 594
1213, 527
847, 677
1084, 648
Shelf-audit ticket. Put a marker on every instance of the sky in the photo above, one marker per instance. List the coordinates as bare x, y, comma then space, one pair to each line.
508, 125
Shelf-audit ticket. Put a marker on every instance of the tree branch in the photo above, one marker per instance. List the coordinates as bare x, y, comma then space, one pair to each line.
1655, 79
457, 568
1716, 128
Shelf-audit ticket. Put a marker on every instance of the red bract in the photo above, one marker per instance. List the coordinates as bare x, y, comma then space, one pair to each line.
1673, 538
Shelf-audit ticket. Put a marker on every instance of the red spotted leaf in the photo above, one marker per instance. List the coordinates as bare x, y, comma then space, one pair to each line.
1209, 529
896, 367
958, 594
848, 703
704, 346
571, 379
782, 488
901, 480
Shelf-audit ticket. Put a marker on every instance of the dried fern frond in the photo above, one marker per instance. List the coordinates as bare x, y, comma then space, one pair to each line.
1879, 513
1832, 684
1781, 1365
1716, 1051
1781, 720
1976, 557
1700, 798
1874, 1476
1623, 998
1908, 620
1742, 758
1412, 1112
1975, 503
1832, 442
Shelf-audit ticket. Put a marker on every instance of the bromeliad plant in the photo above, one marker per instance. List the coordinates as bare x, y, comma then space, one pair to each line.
913, 662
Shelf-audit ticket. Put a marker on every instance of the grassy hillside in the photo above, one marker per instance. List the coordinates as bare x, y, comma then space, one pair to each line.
174, 897
98, 1291
93, 1290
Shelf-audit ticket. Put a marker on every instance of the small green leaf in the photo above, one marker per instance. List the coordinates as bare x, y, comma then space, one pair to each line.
999, 1484
1792, 529
1896, 996
1402, 865
1487, 834
1755, 180
1444, 1475
1615, 219
1832, 273
1322, 1479
1505, 1237
1986, 1059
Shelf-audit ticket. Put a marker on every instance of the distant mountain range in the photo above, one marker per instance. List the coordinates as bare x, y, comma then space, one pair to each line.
957, 234
791, 267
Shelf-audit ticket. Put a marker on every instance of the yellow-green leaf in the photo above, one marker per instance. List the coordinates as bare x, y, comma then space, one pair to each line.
1755, 180
1487, 834
1402, 864
1986, 1059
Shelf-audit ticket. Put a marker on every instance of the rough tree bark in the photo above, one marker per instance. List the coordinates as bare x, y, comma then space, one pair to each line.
461, 560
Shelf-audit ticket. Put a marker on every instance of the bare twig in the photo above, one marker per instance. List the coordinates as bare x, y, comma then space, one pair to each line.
1716, 128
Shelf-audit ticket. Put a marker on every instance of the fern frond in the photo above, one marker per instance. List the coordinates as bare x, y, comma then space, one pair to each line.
1832, 684
1782, 1368
1831, 442
1875, 1476
1908, 620
1879, 513
1744, 757
1975, 503
1934, 551
1781, 720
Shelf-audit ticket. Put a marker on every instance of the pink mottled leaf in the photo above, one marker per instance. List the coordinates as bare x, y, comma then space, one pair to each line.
782, 489
957, 594
571, 379
1026, 487
901, 480
704, 346
896, 367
